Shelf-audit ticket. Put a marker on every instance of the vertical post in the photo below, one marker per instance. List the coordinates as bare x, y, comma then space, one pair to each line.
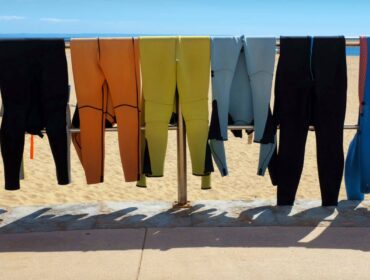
69, 135
182, 200
21, 172
69, 140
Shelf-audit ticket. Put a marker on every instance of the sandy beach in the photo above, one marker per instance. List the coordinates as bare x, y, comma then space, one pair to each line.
40, 185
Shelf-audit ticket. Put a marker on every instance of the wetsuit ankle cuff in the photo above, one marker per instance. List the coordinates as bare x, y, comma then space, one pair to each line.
12, 187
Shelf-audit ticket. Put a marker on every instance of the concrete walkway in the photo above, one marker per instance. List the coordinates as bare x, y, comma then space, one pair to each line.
188, 253
211, 240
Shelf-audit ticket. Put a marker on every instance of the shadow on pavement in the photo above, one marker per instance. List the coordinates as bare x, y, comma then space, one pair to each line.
266, 226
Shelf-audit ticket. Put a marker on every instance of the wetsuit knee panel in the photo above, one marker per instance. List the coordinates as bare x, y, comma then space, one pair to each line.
260, 55
156, 112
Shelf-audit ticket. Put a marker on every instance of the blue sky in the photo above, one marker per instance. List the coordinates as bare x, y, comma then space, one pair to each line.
216, 17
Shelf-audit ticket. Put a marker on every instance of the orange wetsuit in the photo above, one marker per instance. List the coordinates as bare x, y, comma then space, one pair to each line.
106, 74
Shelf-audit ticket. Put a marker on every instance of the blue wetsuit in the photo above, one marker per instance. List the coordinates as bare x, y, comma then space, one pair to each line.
242, 71
357, 168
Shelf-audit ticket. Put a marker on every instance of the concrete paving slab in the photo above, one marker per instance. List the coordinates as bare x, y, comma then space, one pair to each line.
256, 253
52, 218
189, 253
143, 214
136, 214
97, 254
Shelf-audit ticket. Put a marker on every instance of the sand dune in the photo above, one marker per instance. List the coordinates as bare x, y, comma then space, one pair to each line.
40, 185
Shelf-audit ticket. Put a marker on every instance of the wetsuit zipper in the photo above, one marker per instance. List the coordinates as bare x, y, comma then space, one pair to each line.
311, 49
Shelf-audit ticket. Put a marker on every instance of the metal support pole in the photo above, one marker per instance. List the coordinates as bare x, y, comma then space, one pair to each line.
21, 172
69, 135
182, 200
69, 141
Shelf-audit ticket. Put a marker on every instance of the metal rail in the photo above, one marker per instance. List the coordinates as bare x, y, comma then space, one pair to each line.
230, 127
181, 137
350, 42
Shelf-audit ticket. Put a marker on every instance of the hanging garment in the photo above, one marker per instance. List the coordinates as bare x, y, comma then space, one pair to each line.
21, 173
242, 71
310, 89
170, 64
34, 89
106, 78
357, 169
205, 180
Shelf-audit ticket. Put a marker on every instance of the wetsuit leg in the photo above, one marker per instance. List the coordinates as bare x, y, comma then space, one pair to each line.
54, 104
260, 59
117, 59
293, 89
249, 102
15, 92
193, 74
224, 56
110, 120
92, 102
159, 88
329, 106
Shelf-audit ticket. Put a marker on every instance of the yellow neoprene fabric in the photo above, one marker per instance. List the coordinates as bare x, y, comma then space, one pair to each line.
169, 64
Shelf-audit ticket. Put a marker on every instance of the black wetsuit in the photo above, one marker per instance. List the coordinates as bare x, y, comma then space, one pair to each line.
310, 89
34, 90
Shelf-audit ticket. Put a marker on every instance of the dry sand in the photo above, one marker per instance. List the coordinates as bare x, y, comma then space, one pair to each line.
40, 185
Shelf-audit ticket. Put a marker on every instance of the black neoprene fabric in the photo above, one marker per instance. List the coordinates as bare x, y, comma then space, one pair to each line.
34, 90
310, 89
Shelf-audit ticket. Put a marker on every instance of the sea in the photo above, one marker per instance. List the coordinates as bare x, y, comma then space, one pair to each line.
351, 51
